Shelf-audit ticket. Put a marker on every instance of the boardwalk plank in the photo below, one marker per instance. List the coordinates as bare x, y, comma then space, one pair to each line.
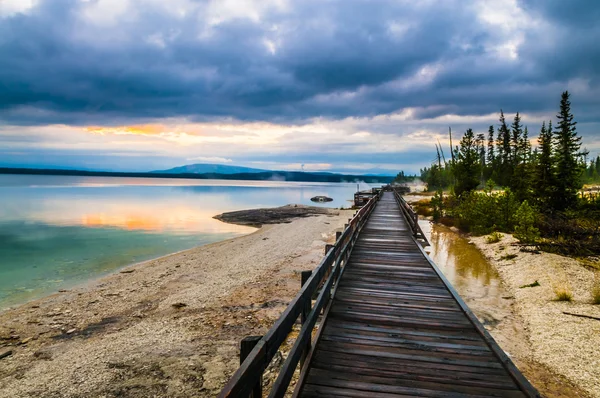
394, 329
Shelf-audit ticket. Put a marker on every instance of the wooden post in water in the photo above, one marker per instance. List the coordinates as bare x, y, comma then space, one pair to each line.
246, 346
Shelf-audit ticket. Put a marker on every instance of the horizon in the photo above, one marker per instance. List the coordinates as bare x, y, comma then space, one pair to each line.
372, 172
341, 87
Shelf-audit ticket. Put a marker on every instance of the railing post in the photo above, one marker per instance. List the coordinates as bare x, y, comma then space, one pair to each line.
327, 248
337, 235
305, 275
246, 346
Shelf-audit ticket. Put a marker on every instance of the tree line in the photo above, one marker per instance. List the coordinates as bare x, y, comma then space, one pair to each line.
549, 175
498, 181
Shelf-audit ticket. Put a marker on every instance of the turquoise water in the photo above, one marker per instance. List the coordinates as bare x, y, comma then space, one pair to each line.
60, 231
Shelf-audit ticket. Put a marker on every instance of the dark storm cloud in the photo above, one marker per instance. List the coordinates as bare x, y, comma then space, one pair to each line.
334, 59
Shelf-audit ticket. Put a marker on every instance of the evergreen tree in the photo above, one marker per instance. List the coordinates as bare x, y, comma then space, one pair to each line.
520, 179
525, 146
491, 156
466, 168
503, 149
544, 182
516, 141
481, 152
568, 169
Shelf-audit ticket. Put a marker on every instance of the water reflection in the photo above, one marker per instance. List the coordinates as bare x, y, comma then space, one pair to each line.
463, 264
56, 231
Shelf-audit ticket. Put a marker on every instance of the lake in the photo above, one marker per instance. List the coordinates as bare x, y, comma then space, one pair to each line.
61, 231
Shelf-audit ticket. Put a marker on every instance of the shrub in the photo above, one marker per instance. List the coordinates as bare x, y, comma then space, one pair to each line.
505, 208
596, 289
437, 205
563, 293
423, 207
494, 237
525, 231
534, 284
476, 212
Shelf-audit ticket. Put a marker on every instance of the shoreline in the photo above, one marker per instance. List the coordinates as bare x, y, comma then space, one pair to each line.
563, 344
480, 285
90, 284
254, 218
167, 326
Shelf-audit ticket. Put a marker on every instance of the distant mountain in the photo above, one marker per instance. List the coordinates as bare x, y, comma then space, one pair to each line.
261, 176
209, 168
203, 168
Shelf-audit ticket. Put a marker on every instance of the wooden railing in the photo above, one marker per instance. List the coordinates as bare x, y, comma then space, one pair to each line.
247, 380
411, 217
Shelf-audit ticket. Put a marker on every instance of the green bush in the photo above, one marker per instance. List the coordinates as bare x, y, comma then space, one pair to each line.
494, 237
437, 204
525, 231
482, 213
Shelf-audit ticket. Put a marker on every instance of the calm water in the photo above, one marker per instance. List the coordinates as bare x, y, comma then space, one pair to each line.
475, 279
59, 231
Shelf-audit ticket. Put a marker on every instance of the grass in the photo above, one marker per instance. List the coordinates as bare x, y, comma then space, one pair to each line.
423, 207
596, 289
563, 293
590, 262
534, 284
494, 237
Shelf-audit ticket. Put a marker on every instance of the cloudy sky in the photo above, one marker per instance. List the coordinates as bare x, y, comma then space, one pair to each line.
343, 85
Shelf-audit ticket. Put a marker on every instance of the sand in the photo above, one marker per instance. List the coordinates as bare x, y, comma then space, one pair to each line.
567, 345
166, 327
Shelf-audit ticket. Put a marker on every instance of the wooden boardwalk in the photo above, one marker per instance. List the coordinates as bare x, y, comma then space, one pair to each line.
397, 328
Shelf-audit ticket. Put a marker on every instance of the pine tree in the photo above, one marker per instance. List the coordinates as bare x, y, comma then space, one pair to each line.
503, 149
466, 168
526, 146
544, 181
568, 169
516, 140
481, 151
490, 145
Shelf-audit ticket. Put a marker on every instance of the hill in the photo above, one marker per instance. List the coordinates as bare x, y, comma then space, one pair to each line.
202, 168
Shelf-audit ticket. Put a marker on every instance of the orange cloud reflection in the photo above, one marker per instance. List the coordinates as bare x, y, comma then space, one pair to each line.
143, 129
129, 222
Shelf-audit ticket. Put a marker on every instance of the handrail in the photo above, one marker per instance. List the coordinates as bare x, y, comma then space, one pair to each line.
509, 366
249, 374
412, 217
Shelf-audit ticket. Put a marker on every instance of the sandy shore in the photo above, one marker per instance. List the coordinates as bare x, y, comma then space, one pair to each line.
567, 345
166, 327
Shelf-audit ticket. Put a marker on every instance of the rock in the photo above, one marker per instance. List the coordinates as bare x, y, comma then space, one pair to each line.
321, 199
127, 271
27, 340
5, 353
43, 354
179, 305
71, 331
